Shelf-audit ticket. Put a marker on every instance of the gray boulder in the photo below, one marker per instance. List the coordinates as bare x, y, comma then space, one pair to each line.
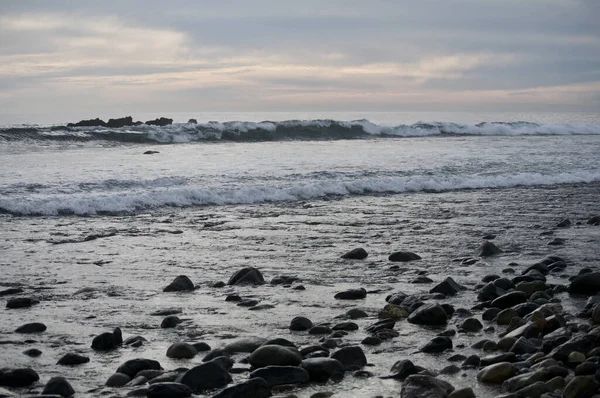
352, 357
247, 276
275, 355
321, 370
253, 388
203, 377
180, 284
423, 386
429, 314
403, 257
356, 254
168, 390
58, 386
279, 375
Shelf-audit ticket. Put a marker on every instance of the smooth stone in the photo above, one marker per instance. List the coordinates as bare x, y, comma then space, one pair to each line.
133, 366
10, 291
437, 344
462, 393
351, 357
253, 388
117, 380
104, 342
490, 313
35, 327
181, 351
351, 294
21, 302
371, 340
402, 256
58, 386
356, 313
247, 276
429, 314
450, 370
393, 311
203, 377
323, 369
70, 359
424, 386
356, 254
136, 381
487, 249
300, 323
19, 377
278, 375
509, 299
421, 279
180, 284
32, 352
580, 386
471, 325
576, 357
497, 373
402, 369
275, 355
168, 390
170, 322
347, 326
448, 287
320, 329
247, 344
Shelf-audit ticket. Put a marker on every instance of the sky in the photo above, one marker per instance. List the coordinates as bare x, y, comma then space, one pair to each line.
86, 58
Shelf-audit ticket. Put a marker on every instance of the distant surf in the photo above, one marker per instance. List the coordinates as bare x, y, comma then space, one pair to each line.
239, 131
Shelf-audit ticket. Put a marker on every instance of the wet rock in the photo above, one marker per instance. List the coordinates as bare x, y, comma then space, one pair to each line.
471, 325
556, 242
509, 299
392, 311
523, 346
88, 123
497, 373
34, 327
448, 287
437, 344
132, 367
120, 122
352, 357
135, 341
371, 340
32, 352
284, 280
20, 377
450, 370
387, 323
247, 276
181, 351
170, 322
564, 223
203, 377
356, 313
274, 355
462, 393
423, 386
472, 361
595, 220
347, 326
247, 303
150, 152
253, 388
71, 359
58, 386
104, 342
429, 314
587, 284
579, 342
402, 369
356, 254
167, 311
217, 352
487, 249
278, 375
421, 279
321, 370
21, 302
351, 294
490, 313
246, 344
580, 386
168, 390
490, 292
180, 284
403, 257
162, 121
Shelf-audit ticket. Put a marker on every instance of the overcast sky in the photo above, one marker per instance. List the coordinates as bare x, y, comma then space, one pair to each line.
97, 57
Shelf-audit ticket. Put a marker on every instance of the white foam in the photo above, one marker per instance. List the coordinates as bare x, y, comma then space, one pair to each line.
123, 202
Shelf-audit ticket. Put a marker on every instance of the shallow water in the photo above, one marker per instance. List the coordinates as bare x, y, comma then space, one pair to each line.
302, 238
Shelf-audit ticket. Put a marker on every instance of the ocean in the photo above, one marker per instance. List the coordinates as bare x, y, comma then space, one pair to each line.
94, 227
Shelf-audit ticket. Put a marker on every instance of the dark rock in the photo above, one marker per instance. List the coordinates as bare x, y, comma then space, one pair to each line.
490, 313
150, 152
180, 284
181, 351
472, 361
34, 327
351, 294
203, 377
595, 220
580, 387
450, 370
380, 325
274, 355
10, 290
233, 298
371, 340
564, 223
247, 303
429, 314
104, 342
135, 341
284, 280
300, 323
356, 254
117, 336
117, 380
321, 370
447, 287
490, 292
133, 366
471, 325
58, 386
579, 343
351, 357
278, 375
396, 298
253, 388
247, 276
163, 121
523, 346
487, 249
347, 326
21, 302
246, 344
556, 242
401, 370
403, 257
509, 299
588, 284
71, 359
217, 284
168, 390
32, 352
497, 373
21, 377
437, 344
120, 122
424, 386
170, 322
97, 122
192, 121
466, 392
215, 353
421, 279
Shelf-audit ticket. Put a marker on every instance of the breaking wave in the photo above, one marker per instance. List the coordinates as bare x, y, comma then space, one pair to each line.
279, 131
92, 203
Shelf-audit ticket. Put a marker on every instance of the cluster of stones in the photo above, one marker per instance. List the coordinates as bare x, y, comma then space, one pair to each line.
124, 122
543, 351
